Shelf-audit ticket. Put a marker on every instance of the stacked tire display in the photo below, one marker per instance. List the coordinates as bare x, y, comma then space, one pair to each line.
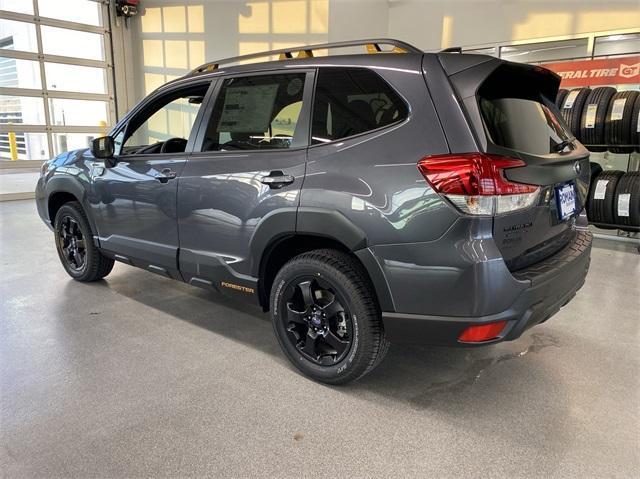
635, 117
593, 118
572, 107
602, 118
614, 200
619, 127
562, 94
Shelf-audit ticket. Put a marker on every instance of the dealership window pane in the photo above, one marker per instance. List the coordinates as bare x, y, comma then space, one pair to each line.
72, 141
57, 41
545, 51
18, 36
80, 11
75, 78
21, 109
617, 44
31, 146
19, 73
78, 112
20, 6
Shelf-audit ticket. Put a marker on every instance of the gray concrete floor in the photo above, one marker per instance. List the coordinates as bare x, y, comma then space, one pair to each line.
141, 376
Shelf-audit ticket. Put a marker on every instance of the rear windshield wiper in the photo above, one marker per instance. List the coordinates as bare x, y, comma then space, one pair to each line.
563, 144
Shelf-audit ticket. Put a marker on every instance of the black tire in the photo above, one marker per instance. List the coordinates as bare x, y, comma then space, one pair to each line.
335, 275
618, 132
593, 137
562, 94
600, 210
80, 257
635, 124
596, 169
572, 114
629, 184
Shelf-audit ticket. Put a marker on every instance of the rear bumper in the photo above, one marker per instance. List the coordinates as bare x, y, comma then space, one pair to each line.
548, 285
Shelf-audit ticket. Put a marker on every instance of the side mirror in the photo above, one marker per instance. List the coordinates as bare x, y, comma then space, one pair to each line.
103, 148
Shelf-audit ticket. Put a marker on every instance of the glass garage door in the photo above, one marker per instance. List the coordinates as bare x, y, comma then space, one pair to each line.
56, 82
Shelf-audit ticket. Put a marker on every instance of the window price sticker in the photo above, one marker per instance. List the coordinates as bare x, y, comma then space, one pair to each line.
590, 120
601, 188
571, 98
618, 109
623, 204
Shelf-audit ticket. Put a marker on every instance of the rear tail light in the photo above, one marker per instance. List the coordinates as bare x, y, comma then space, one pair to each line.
475, 182
482, 332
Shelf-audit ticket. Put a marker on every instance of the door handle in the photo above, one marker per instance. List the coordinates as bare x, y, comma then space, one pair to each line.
277, 179
165, 175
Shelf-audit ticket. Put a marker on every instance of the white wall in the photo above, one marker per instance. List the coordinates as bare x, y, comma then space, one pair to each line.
433, 24
172, 36
357, 19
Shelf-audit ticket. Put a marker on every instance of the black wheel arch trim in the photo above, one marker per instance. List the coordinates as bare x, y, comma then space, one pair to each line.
272, 228
322, 223
69, 185
287, 222
332, 224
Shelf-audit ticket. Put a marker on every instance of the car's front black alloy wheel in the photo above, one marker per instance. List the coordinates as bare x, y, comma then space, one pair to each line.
72, 243
319, 324
326, 316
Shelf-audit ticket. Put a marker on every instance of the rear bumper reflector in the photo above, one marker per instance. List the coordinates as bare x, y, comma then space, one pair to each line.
482, 332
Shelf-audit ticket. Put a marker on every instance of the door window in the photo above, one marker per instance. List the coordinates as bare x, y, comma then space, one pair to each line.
255, 113
350, 101
166, 126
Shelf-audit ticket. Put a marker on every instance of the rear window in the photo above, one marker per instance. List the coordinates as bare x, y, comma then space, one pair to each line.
517, 112
350, 101
524, 125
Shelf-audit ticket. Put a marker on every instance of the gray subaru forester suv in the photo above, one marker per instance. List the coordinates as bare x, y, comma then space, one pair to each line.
436, 197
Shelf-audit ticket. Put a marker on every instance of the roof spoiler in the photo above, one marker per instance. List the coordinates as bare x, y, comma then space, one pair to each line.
451, 50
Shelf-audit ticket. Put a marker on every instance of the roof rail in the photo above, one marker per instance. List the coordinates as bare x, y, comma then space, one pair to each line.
451, 50
371, 45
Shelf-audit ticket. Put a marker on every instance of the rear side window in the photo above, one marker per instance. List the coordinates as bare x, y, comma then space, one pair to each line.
349, 101
518, 116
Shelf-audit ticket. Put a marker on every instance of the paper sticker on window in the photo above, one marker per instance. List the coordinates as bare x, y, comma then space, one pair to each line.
247, 109
601, 188
623, 204
618, 109
571, 98
590, 120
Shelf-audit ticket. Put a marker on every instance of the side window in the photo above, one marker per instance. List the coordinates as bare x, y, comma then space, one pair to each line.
170, 118
352, 101
256, 112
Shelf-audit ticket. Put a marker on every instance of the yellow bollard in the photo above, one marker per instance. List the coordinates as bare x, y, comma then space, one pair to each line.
103, 127
13, 146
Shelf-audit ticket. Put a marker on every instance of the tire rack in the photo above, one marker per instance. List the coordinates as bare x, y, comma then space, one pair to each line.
631, 234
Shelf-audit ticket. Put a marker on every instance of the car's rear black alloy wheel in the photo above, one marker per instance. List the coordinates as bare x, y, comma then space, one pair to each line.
72, 243
317, 320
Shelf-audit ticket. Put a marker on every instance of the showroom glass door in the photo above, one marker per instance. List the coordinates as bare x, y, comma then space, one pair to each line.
56, 79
